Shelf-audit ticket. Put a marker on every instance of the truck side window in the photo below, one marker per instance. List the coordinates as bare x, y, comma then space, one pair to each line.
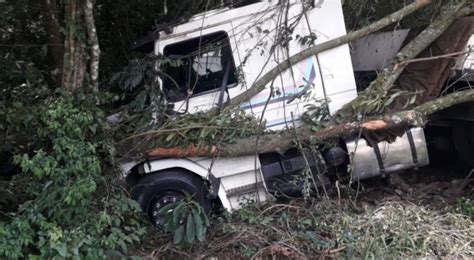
201, 67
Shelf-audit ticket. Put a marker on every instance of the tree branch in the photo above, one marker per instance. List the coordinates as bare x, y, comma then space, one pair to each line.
387, 78
444, 56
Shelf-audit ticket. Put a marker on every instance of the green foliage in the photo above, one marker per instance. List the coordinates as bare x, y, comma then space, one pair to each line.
202, 129
22, 87
76, 210
187, 220
141, 95
316, 115
378, 100
146, 112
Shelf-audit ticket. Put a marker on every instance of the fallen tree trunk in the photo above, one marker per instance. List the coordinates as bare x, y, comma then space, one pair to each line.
260, 84
418, 117
284, 140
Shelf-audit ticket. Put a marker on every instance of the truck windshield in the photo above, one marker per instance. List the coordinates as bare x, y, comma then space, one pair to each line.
200, 67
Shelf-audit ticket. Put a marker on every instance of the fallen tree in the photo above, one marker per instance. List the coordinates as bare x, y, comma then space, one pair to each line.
345, 123
284, 140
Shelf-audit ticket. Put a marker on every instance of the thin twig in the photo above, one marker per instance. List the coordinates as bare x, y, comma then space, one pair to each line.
161, 131
449, 55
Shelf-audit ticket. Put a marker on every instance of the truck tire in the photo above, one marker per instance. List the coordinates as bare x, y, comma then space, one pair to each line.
156, 190
463, 136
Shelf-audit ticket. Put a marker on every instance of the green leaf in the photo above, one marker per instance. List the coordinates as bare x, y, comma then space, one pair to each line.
178, 234
62, 250
164, 210
206, 220
113, 254
190, 229
93, 128
177, 212
169, 224
123, 246
199, 226
392, 98
170, 137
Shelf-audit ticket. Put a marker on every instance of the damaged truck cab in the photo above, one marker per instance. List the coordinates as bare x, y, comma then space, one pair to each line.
223, 52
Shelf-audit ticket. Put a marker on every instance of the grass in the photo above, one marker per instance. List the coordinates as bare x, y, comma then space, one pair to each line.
302, 230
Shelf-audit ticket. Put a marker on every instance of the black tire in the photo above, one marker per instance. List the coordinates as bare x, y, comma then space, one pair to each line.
159, 189
463, 136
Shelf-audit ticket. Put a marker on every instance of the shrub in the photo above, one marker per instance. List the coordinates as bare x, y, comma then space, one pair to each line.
77, 209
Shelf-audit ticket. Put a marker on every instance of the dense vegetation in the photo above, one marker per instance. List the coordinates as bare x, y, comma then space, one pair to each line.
66, 199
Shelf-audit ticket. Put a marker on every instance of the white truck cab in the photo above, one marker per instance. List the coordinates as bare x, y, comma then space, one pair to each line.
223, 52
242, 38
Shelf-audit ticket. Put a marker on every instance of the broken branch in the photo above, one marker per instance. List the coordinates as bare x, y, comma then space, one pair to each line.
387, 78
449, 55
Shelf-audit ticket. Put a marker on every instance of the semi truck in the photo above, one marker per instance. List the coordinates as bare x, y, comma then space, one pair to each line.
220, 54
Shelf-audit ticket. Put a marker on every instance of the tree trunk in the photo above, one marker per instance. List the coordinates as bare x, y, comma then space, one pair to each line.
81, 56
93, 41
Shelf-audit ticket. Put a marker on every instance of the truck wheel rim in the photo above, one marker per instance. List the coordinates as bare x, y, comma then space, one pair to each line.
159, 202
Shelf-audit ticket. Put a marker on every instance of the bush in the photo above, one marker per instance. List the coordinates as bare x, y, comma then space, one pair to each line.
78, 210
187, 220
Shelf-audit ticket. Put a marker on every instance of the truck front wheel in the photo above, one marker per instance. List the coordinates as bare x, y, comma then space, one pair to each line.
157, 190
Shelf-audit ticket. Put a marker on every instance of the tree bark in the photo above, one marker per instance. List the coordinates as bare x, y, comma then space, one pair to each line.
260, 84
73, 64
93, 41
81, 56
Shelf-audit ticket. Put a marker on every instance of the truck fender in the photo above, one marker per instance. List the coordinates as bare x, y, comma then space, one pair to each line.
157, 165
163, 164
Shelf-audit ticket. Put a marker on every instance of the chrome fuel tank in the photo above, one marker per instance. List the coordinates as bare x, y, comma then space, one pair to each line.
408, 151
